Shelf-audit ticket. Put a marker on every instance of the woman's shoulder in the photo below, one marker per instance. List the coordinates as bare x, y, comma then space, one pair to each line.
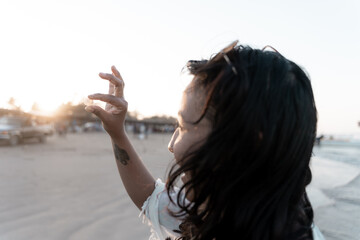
155, 212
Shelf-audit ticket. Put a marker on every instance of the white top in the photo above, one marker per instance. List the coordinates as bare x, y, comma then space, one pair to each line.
155, 213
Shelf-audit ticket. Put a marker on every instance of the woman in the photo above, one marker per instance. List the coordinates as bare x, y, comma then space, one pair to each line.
247, 126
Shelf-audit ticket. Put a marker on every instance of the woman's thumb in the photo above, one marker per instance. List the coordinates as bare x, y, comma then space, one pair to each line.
98, 111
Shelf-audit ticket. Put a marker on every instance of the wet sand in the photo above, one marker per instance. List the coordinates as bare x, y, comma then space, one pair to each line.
69, 188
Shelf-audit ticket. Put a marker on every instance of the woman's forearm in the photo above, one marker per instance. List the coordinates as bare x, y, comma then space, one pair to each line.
137, 180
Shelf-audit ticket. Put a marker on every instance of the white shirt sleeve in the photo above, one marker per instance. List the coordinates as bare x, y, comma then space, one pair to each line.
155, 213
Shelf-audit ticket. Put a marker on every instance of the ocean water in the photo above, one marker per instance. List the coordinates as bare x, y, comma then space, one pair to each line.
346, 153
341, 220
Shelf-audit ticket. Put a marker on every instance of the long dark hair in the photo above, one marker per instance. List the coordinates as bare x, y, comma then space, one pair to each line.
248, 179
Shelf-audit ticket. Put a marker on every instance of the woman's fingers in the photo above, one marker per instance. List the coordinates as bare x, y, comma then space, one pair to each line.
112, 78
98, 111
119, 91
111, 92
101, 113
116, 80
111, 88
113, 100
116, 72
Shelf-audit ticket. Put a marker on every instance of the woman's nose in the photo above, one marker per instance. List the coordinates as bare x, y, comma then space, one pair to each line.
172, 140
170, 147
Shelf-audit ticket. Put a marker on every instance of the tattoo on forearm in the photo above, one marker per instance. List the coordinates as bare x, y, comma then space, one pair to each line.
121, 155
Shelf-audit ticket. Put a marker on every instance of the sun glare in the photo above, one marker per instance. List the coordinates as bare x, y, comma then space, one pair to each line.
45, 107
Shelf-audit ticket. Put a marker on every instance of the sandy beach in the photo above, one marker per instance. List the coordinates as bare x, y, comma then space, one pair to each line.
69, 188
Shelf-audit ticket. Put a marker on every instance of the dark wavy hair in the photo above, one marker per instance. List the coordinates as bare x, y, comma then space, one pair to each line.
248, 178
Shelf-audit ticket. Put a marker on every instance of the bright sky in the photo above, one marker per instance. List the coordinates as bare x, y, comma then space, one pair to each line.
52, 51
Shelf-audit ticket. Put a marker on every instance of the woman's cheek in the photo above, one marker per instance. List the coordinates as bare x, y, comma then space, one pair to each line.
180, 147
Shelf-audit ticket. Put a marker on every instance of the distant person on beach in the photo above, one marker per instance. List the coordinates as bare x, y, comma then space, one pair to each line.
318, 139
247, 126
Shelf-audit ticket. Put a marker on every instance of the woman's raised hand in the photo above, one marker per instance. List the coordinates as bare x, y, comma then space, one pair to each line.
113, 116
